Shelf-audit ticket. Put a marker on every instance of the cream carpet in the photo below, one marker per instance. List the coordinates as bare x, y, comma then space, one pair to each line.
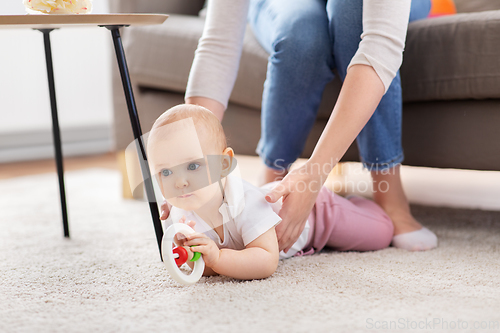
108, 277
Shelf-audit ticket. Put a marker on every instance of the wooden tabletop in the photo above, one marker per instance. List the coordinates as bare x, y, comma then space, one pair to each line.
58, 21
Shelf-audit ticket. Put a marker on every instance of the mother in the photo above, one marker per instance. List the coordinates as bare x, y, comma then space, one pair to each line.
307, 39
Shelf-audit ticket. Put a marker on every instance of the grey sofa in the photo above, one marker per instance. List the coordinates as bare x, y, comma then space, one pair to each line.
450, 78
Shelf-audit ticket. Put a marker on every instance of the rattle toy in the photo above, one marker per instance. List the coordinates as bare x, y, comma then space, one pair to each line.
175, 257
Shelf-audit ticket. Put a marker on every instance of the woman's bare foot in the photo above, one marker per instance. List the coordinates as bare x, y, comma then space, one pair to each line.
268, 175
403, 221
389, 194
408, 232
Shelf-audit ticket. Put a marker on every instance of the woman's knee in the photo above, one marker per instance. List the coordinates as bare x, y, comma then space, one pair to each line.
303, 39
345, 28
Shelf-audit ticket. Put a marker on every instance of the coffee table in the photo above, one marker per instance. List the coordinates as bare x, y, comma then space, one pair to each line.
113, 22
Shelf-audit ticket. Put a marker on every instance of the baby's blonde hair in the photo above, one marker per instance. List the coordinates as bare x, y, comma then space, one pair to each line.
202, 119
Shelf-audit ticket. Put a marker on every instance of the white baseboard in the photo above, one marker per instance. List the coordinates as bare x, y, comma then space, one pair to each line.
38, 144
431, 186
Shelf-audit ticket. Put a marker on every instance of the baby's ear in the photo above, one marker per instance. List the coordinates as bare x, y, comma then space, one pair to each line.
228, 162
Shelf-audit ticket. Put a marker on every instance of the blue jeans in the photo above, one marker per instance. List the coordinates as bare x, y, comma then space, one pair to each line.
306, 40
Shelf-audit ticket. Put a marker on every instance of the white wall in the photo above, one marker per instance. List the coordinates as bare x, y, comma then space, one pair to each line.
82, 60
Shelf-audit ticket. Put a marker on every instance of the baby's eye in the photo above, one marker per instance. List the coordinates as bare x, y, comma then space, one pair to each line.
193, 166
166, 172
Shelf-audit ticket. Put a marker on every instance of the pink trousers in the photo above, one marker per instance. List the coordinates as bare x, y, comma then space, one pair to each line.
342, 224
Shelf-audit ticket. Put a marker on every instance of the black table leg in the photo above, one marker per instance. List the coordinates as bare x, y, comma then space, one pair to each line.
55, 127
136, 128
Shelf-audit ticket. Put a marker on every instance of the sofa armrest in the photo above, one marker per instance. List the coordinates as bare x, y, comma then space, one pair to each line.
186, 7
452, 57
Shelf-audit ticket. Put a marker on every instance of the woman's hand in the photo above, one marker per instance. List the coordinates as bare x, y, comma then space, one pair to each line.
299, 190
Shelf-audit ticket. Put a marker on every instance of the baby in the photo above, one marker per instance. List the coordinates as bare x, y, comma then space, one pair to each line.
234, 224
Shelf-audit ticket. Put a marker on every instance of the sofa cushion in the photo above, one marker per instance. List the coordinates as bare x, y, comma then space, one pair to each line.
160, 56
453, 57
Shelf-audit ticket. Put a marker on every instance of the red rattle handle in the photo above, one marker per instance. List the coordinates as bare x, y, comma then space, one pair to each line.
182, 253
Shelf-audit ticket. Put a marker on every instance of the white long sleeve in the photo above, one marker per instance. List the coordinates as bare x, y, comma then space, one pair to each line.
217, 57
385, 23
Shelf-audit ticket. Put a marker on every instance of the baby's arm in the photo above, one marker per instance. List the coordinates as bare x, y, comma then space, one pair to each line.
257, 261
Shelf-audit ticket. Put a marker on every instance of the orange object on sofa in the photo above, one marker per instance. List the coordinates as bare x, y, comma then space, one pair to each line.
442, 7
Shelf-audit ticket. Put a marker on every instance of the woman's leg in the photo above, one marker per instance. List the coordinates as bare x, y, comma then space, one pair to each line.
379, 142
295, 33
389, 194
392, 197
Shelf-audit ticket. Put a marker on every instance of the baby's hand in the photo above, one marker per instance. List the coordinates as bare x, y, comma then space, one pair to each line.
205, 246
180, 238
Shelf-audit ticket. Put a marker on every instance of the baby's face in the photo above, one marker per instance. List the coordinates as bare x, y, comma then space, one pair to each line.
186, 167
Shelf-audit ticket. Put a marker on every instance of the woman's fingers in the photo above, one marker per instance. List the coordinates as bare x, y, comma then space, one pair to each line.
278, 191
300, 190
286, 232
294, 212
294, 235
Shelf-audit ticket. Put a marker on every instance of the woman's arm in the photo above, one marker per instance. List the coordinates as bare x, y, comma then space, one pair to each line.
358, 99
369, 75
217, 57
385, 23
211, 104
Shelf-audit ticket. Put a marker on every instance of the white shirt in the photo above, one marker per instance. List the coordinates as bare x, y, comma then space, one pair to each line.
246, 216
217, 57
